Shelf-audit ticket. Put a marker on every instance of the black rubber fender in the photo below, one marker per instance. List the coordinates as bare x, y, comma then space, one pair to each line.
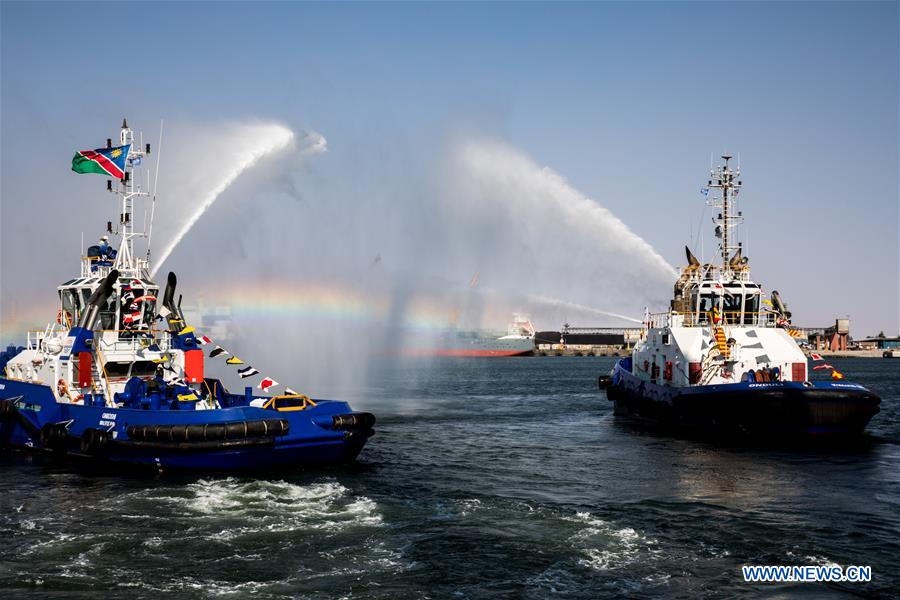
236, 431
356, 420
195, 446
178, 433
53, 436
94, 441
209, 432
8, 410
604, 381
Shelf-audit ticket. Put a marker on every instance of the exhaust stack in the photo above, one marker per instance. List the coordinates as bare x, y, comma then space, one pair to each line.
97, 301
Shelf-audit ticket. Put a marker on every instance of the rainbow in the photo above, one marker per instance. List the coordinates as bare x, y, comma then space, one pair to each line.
263, 301
327, 301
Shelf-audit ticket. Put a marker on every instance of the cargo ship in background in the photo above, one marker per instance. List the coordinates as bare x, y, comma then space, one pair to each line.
518, 341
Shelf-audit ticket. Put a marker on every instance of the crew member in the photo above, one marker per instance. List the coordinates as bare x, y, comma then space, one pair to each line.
107, 252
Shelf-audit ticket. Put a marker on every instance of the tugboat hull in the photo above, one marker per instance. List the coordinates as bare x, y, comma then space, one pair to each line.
771, 409
240, 437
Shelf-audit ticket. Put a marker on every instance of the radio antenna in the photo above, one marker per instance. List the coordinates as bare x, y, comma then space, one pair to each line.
155, 181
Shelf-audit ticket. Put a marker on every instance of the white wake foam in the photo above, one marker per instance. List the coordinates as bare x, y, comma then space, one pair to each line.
279, 506
605, 546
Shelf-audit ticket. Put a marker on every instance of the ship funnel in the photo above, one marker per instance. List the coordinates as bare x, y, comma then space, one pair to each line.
692, 260
174, 316
97, 301
169, 295
779, 305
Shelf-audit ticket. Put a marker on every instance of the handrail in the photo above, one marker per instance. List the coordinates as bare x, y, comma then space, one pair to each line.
131, 330
148, 335
737, 317
104, 378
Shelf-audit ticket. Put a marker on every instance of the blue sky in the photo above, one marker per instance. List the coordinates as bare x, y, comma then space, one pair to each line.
625, 100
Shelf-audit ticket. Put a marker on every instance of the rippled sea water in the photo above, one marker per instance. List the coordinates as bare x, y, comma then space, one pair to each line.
486, 479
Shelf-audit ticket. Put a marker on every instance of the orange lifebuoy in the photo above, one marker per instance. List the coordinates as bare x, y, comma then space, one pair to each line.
64, 317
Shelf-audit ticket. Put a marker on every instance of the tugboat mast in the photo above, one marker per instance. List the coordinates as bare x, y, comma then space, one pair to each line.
723, 178
127, 262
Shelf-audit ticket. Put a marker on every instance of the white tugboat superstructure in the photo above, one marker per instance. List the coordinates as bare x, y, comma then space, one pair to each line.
718, 329
724, 356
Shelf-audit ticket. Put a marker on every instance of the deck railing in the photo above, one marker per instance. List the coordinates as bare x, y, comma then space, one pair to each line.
142, 340
692, 319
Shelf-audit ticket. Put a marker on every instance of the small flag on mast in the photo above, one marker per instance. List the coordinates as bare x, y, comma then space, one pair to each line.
234, 360
217, 351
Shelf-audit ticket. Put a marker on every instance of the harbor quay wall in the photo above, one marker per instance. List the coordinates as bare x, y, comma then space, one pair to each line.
580, 350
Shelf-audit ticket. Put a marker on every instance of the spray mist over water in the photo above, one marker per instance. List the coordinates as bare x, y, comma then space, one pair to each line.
327, 267
575, 249
581, 309
228, 152
337, 258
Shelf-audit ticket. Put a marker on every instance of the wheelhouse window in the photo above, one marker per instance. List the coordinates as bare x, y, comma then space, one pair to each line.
108, 314
125, 370
71, 306
731, 307
707, 303
751, 309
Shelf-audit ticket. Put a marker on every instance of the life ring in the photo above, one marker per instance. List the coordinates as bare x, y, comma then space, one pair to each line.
64, 314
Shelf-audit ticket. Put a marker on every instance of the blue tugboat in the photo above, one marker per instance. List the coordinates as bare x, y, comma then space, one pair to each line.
724, 360
102, 382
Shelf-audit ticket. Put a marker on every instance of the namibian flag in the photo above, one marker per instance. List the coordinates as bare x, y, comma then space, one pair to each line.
103, 161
